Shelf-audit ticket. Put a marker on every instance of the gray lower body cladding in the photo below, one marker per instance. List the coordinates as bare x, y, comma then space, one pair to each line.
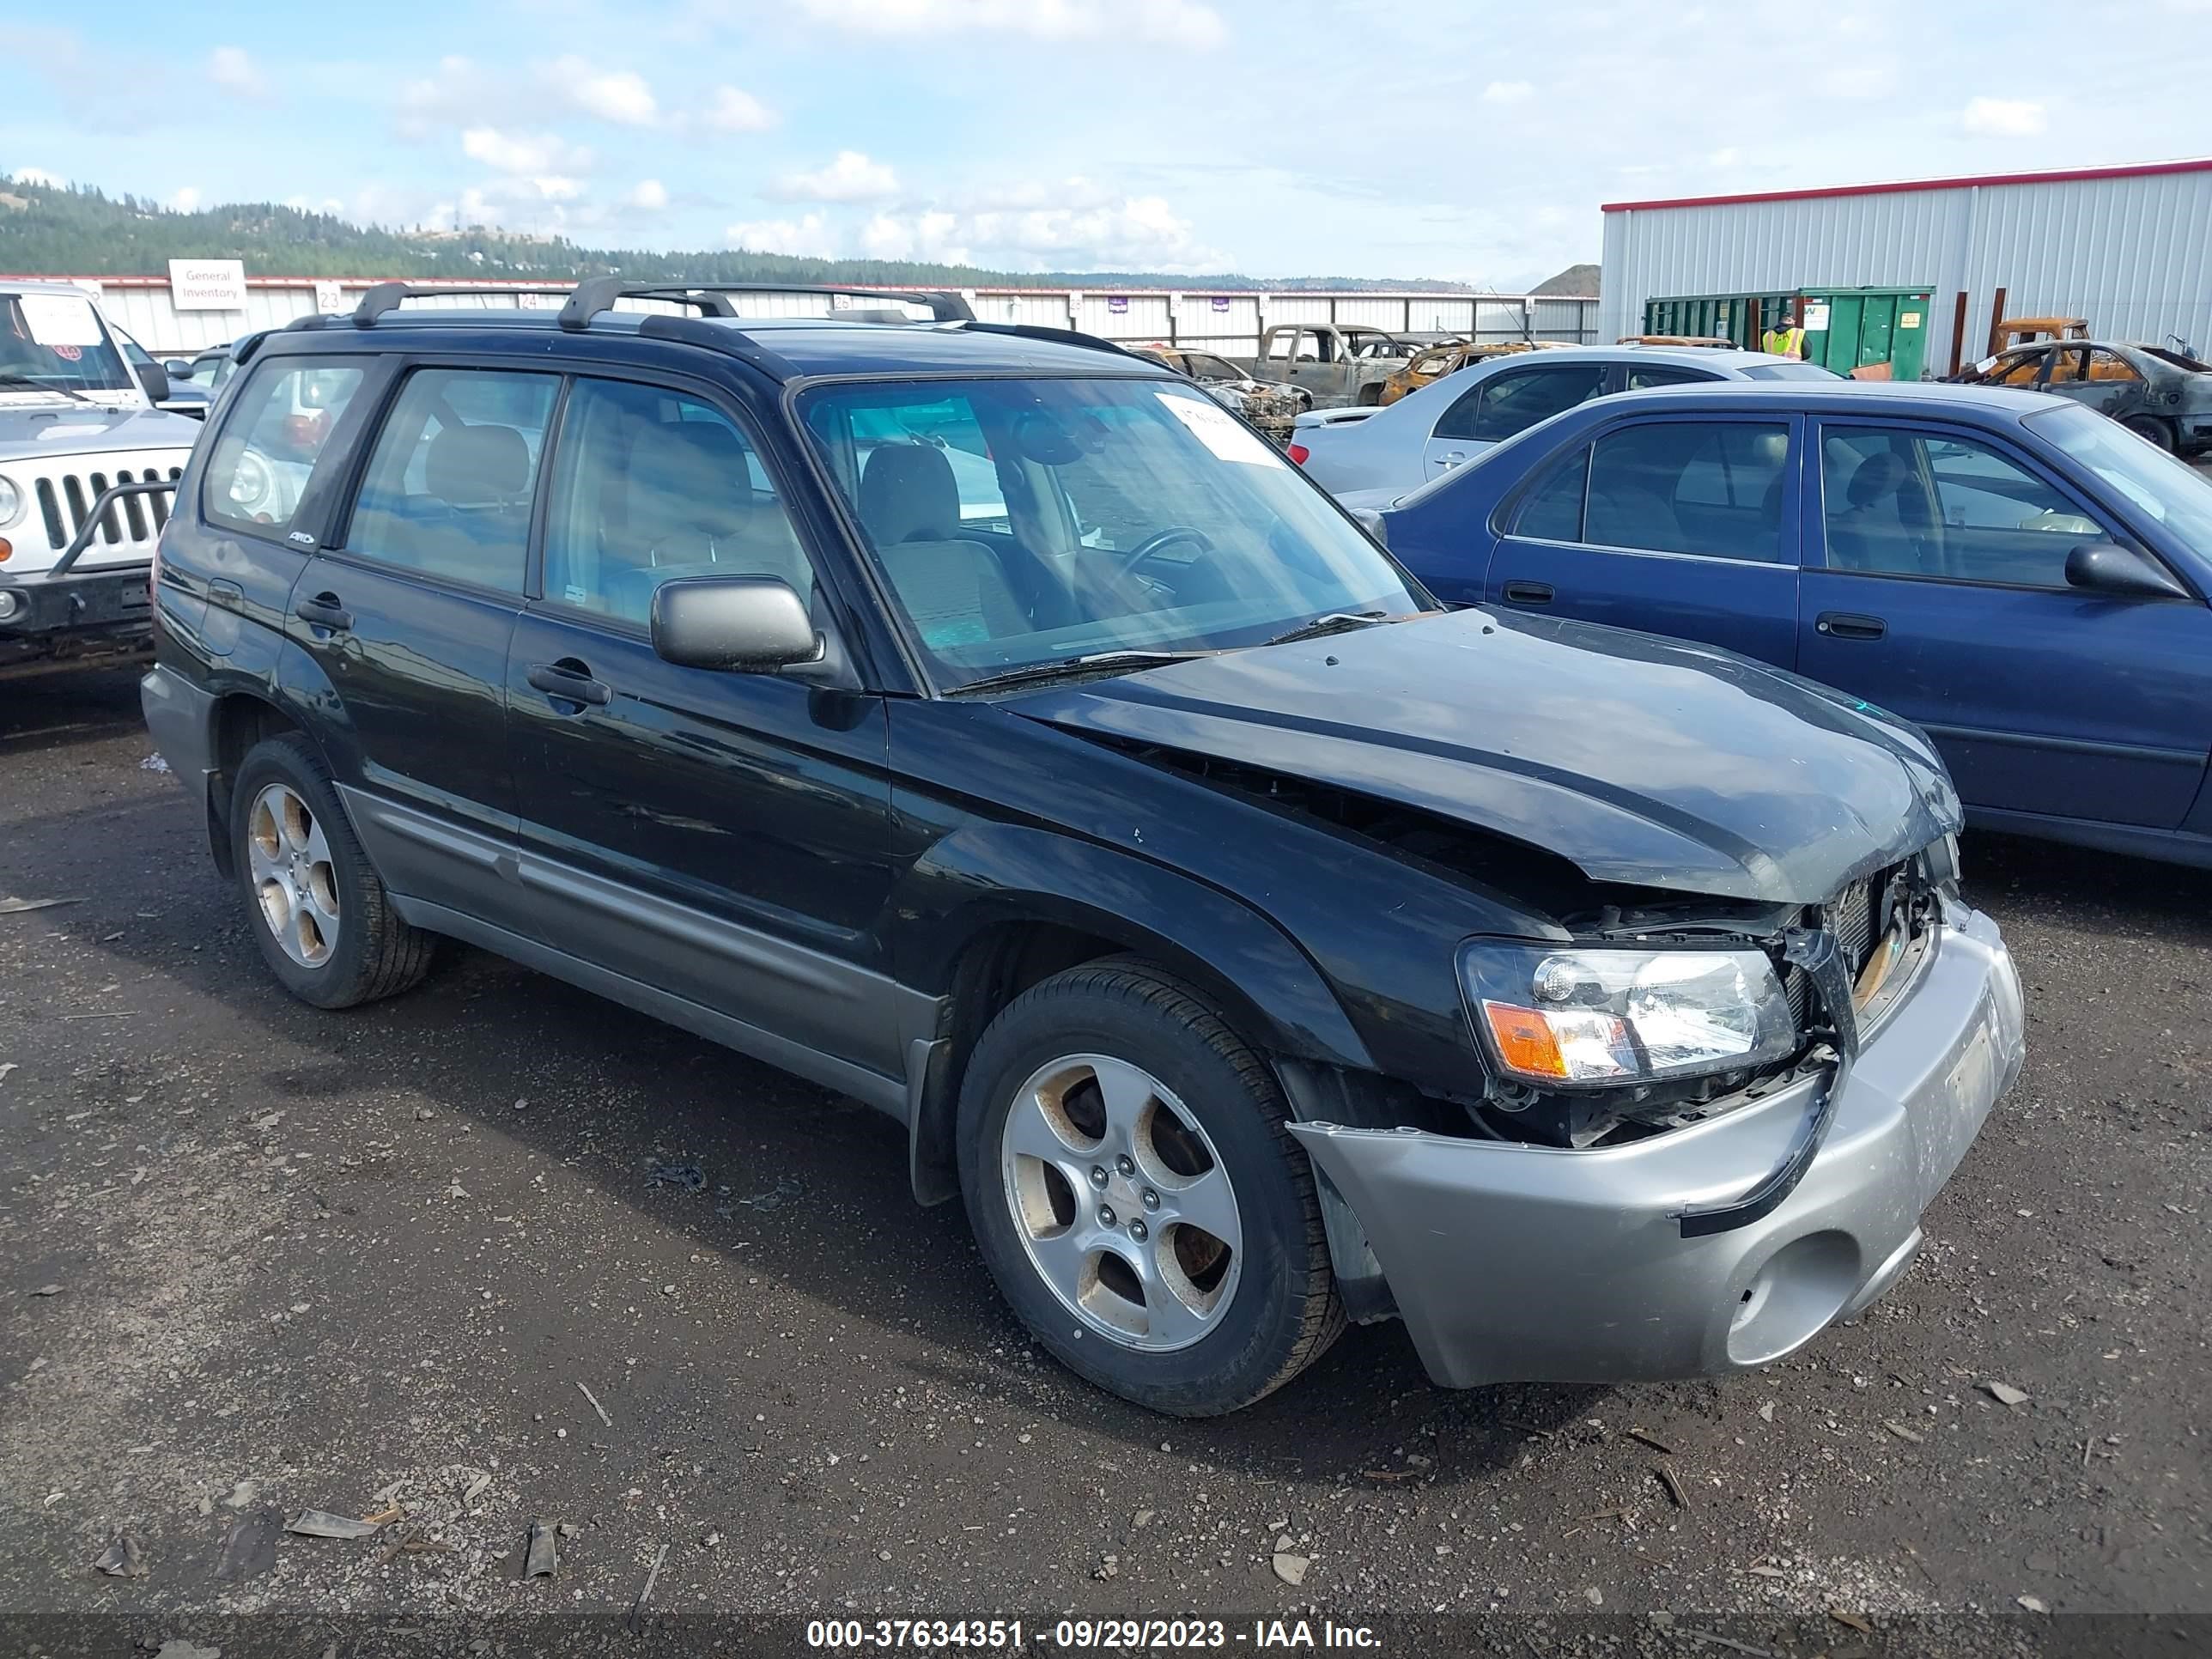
1515, 1263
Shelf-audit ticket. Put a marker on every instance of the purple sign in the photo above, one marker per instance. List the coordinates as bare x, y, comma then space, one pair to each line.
1117, 305
1221, 302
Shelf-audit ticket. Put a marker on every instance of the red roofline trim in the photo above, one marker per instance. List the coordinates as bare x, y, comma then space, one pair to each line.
2065, 175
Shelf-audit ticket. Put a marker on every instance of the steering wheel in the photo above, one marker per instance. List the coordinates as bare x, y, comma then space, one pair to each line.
1151, 546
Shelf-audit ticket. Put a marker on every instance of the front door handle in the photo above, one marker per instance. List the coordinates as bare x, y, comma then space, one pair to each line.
323, 610
1451, 458
570, 682
1847, 625
1528, 593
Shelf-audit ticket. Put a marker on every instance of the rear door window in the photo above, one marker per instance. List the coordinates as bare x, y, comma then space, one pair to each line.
450, 483
279, 425
1713, 488
1514, 401
1552, 511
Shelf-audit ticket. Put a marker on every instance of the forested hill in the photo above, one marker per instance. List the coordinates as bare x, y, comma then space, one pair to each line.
76, 231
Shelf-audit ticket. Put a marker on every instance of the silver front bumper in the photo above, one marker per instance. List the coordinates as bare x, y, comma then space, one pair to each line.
1527, 1263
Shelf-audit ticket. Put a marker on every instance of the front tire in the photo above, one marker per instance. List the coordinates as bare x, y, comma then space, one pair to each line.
318, 913
1136, 1196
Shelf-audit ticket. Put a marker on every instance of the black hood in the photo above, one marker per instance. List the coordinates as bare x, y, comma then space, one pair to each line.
1641, 760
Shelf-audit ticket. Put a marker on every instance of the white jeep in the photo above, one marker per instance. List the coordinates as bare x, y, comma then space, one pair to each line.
87, 466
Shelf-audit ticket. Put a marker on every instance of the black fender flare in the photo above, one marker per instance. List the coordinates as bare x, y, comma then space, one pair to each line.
984, 877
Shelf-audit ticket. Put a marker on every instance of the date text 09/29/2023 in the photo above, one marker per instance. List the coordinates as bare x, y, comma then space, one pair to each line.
1164, 1634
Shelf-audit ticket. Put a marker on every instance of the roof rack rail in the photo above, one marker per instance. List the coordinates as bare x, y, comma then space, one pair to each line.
385, 297
598, 294
1059, 336
733, 342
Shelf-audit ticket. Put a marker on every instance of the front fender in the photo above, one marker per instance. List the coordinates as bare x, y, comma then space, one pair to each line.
984, 875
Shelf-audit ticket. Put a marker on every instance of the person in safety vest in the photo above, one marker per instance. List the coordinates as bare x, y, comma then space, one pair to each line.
1786, 339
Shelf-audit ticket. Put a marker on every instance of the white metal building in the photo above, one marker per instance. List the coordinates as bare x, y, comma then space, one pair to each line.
1224, 322
2128, 247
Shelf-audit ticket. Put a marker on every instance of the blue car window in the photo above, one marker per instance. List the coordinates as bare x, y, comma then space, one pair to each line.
1552, 511
1902, 502
1712, 487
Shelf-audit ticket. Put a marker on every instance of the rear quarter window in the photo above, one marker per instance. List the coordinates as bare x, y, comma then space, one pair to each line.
278, 427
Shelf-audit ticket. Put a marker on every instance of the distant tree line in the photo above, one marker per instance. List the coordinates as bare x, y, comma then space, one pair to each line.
79, 231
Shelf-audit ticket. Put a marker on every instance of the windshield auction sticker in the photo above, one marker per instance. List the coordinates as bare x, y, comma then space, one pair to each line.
59, 320
1217, 429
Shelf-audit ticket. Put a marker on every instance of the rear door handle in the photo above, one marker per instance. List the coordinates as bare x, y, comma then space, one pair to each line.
1451, 458
323, 610
571, 683
1847, 625
1528, 593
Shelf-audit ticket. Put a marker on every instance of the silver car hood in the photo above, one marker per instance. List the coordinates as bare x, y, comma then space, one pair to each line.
62, 427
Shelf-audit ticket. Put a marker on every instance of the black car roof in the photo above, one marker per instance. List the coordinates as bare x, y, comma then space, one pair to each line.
792, 346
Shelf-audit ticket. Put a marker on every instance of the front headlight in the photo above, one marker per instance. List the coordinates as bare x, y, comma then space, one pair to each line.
1572, 1017
11, 503
251, 482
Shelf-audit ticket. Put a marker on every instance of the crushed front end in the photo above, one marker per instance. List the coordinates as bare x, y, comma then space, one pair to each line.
1707, 1131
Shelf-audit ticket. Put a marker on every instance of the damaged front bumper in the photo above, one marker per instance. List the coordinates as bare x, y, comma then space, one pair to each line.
1522, 1263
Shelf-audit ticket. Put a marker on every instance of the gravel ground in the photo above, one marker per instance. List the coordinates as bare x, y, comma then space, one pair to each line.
411, 1257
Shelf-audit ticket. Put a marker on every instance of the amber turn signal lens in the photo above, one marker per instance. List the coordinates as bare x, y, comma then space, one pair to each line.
1524, 1040
7, 548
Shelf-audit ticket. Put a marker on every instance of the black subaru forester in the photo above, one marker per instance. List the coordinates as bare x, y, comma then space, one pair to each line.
982, 721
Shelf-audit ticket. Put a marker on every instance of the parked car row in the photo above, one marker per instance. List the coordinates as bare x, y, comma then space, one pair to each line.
987, 724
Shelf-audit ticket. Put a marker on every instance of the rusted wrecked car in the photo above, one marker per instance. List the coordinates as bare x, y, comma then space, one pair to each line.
1271, 405
2157, 394
1451, 356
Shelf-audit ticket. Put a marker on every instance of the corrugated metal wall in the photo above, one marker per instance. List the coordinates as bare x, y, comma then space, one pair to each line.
1227, 323
2133, 253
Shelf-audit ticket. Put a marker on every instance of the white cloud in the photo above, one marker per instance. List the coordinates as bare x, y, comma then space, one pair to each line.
39, 176
647, 195
185, 200
734, 111
230, 70
809, 237
2004, 117
1508, 92
1183, 23
622, 96
524, 153
1726, 156
851, 177
454, 94
1127, 233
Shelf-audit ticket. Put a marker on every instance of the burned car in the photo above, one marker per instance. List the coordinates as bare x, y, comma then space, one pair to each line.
2156, 392
1271, 405
982, 722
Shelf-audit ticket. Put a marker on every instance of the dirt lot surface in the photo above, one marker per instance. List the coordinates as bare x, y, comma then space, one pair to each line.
259, 1259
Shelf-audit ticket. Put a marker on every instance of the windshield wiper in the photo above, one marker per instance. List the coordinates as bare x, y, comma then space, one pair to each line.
1334, 621
25, 383
1062, 668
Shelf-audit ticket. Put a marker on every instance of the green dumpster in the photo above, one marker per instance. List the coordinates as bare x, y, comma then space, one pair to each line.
1846, 328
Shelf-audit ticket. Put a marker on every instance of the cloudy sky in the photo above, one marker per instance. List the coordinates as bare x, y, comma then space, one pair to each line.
1359, 138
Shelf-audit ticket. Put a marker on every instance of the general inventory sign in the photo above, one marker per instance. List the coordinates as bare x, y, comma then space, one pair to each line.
207, 284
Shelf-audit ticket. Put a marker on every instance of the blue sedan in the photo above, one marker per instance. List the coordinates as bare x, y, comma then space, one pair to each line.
2027, 582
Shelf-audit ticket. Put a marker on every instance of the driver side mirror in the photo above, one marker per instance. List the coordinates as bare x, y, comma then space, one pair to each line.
2108, 568
743, 624
155, 379
177, 368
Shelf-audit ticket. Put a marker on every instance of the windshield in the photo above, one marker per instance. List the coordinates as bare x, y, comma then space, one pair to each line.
1789, 372
1024, 522
55, 341
2155, 483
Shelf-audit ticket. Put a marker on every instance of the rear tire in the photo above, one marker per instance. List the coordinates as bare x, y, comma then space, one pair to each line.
317, 910
2150, 428
1105, 1113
